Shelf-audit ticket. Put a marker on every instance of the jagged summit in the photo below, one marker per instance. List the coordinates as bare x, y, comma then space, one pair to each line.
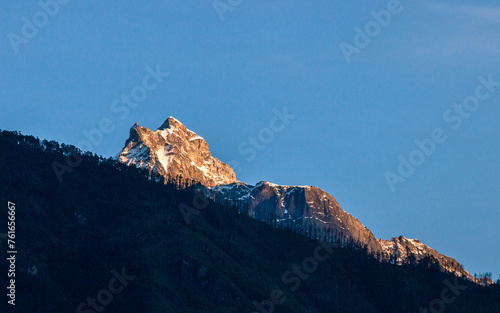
172, 122
176, 153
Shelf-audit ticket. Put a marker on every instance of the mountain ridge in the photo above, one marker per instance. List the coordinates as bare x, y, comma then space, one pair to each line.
106, 215
307, 210
401, 250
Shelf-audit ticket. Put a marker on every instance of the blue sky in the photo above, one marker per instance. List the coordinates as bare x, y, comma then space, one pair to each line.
353, 120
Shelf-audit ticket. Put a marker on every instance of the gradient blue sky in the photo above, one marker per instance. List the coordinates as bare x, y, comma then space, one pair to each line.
353, 120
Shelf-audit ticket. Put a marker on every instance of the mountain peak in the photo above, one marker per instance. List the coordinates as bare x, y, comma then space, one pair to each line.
171, 122
176, 153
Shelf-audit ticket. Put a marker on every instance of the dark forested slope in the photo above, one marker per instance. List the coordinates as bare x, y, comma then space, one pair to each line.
106, 220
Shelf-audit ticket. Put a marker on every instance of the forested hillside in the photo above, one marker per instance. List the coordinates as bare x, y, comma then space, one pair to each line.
106, 217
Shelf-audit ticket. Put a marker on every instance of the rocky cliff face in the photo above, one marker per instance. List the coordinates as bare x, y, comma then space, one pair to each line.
304, 209
176, 153
402, 250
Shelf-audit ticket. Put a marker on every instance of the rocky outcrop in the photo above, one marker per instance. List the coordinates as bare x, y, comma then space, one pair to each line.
304, 209
401, 250
176, 153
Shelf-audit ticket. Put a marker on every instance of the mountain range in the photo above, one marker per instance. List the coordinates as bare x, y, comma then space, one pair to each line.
181, 156
108, 221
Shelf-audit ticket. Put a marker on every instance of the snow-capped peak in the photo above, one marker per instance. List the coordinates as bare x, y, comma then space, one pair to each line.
176, 153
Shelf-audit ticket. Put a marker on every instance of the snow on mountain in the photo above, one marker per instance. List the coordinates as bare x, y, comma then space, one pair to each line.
181, 156
401, 250
305, 209
176, 153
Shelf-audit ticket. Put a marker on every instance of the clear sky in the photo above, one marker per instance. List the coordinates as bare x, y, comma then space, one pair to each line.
227, 77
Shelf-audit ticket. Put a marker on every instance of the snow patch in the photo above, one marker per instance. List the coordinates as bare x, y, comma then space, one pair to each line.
165, 157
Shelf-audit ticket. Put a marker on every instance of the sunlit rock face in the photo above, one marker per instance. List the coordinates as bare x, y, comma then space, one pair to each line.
401, 250
176, 153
